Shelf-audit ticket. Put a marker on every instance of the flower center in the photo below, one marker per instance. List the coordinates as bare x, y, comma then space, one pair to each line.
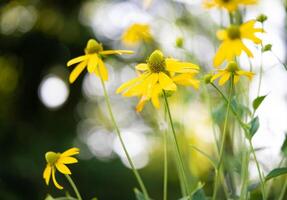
52, 157
232, 67
156, 62
93, 47
226, 1
233, 32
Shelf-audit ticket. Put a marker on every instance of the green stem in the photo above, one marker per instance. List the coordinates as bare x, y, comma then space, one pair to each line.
245, 160
217, 175
181, 165
74, 187
165, 167
281, 197
258, 169
137, 175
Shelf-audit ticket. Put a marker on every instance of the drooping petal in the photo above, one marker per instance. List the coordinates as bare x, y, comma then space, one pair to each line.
220, 55
54, 179
62, 168
103, 70
186, 80
71, 152
225, 77
249, 75
216, 76
149, 83
128, 84
47, 174
68, 160
141, 104
173, 65
120, 52
92, 63
166, 82
77, 71
76, 60
154, 96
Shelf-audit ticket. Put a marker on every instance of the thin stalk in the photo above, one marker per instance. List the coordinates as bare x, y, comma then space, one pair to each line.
165, 167
243, 192
74, 187
281, 197
217, 175
136, 173
261, 68
258, 169
181, 165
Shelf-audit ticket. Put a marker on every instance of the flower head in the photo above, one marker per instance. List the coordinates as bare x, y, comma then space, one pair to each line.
136, 33
230, 5
232, 41
158, 74
93, 60
58, 161
231, 70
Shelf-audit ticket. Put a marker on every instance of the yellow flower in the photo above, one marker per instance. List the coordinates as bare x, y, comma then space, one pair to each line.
231, 69
230, 5
136, 33
93, 60
58, 161
232, 41
158, 74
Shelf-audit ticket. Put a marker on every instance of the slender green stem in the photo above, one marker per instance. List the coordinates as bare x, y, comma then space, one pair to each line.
74, 187
258, 169
244, 169
281, 197
136, 173
181, 164
223, 138
165, 167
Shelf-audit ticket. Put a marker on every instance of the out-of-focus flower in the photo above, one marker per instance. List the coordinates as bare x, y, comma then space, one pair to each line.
58, 161
93, 60
158, 74
231, 69
230, 5
232, 41
136, 33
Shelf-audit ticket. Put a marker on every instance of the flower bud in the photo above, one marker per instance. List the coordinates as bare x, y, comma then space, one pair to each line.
261, 18
93, 47
52, 157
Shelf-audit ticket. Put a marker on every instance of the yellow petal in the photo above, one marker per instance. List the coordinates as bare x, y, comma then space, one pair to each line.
142, 67
77, 71
165, 82
92, 63
186, 80
141, 104
103, 70
130, 83
68, 160
154, 97
236, 79
224, 78
62, 168
173, 65
150, 82
220, 54
120, 52
47, 174
216, 76
221, 34
249, 75
54, 179
70, 152
76, 60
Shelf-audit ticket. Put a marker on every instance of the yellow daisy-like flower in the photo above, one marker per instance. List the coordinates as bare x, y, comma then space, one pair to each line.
230, 5
136, 33
231, 69
58, 161
158, 74
232, 41
93, 60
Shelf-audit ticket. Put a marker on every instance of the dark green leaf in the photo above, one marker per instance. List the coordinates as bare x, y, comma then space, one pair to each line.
276, 172
267, 47
49, 197
258, 101
253, 127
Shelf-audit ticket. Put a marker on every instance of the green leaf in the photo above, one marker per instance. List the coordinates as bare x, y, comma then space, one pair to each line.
258, 101
197, 193
253, 127
284, 146
267, 47
276, 172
